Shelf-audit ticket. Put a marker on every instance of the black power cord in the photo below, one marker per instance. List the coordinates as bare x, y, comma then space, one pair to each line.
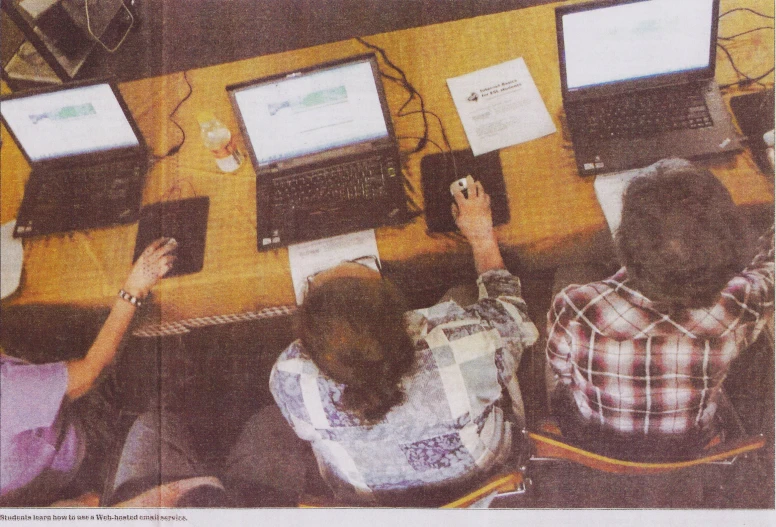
423, 141
404, 83
175, 149
732, 37
745, 9
744, 79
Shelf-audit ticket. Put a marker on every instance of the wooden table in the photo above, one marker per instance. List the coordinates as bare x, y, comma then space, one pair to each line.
555, 215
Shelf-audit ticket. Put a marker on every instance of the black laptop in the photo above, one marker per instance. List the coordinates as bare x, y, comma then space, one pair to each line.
324, 150
638, 82
87, 155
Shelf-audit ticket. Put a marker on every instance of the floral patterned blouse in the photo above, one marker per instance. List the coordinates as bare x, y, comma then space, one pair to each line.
450, 425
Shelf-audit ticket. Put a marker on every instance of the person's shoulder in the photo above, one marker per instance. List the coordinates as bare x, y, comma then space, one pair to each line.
584, 293
13, 367
9, 361
745, 287
288, 369
32, 393
584, 297
421, 321
500, 278
294, 351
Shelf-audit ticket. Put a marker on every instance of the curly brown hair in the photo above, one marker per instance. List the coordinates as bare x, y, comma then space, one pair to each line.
353, 329
681, 238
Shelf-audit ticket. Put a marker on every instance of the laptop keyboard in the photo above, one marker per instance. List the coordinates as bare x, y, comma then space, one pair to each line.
112, 185
81, 198
88, 185
647, 113
360, 180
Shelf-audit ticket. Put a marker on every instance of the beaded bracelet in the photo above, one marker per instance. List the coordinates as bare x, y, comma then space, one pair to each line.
135, 301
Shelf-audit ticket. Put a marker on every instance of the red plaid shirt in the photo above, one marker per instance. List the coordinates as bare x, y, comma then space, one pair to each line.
634, 369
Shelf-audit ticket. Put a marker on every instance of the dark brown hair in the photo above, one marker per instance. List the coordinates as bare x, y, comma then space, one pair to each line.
372, 354
681, 238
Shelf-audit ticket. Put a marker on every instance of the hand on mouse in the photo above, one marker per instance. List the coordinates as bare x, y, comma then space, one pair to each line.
472, 214
155, 261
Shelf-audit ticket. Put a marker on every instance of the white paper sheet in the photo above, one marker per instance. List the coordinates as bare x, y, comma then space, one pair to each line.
11, 260
500, 106
609, 190
313, 257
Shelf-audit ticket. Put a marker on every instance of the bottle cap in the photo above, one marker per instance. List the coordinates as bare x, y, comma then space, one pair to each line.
204, 117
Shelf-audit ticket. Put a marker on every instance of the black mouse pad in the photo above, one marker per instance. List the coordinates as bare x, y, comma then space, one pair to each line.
754, 113
186, 221
437, 172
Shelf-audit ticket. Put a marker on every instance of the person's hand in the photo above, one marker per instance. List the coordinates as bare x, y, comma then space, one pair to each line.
155, 261
472, 215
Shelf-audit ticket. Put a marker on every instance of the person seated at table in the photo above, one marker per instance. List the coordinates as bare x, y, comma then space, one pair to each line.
42, 440
639, 357
405, 407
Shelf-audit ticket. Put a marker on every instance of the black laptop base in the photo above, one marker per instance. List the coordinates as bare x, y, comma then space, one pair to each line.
311, 223
77, 200
332, 206
598, 155
306, 223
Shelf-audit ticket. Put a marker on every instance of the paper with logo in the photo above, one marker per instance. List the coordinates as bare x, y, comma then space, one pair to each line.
500, 106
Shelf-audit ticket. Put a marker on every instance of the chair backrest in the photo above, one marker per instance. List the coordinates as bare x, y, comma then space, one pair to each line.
548, 443
511, 483
549, 446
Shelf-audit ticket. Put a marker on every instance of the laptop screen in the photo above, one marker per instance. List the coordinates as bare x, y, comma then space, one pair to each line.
74, 121
311, 112
636, 40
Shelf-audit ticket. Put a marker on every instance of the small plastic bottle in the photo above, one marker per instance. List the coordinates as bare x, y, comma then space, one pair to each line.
218, 139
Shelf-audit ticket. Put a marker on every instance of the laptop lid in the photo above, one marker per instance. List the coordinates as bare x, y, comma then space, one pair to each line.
314, 115
614, 46
72, 125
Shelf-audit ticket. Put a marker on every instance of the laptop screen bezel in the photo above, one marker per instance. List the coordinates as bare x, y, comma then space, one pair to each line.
376, 145
617, 87
83, 159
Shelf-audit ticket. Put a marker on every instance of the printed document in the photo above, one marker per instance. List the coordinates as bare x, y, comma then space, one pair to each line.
500, 106
309, 258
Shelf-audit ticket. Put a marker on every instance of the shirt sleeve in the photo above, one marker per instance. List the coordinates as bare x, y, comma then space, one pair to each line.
286, 386
30, 395
501, 305
276, 388
558, 341
762, 263
759, 278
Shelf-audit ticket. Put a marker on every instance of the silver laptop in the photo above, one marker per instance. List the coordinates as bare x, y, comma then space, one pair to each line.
638, 82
